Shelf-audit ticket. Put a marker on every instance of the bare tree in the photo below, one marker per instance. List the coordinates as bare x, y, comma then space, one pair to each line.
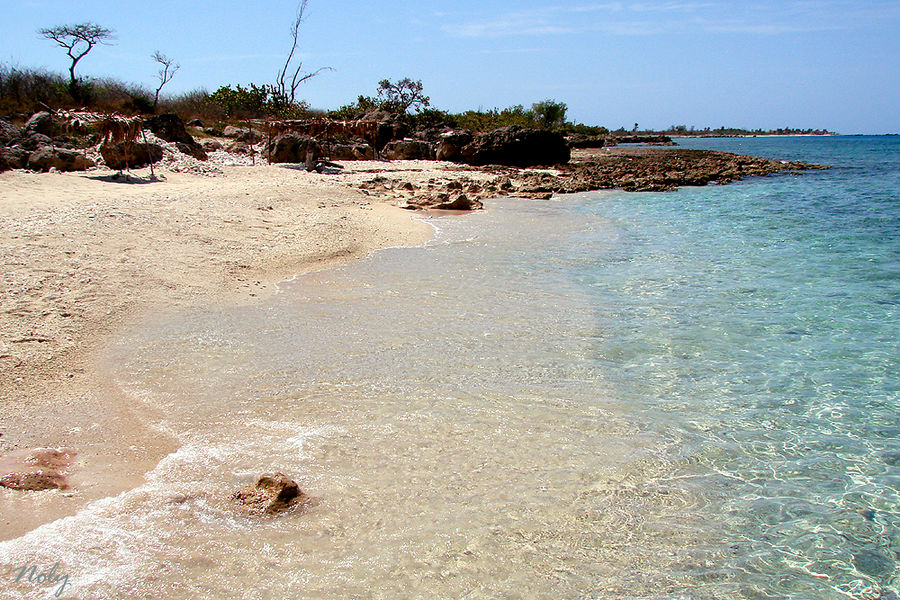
165, 74
78, 40
288, 89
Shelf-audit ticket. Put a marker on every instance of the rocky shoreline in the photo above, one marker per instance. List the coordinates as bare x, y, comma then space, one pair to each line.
646, 169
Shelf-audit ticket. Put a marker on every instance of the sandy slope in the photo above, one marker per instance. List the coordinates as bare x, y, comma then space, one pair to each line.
82, 253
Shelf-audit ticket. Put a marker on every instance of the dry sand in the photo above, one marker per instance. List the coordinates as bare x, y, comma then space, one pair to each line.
83, 253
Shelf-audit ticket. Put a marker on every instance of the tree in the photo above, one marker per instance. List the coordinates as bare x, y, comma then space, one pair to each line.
287, 90
401, 96
78, 40
550, 114
165, 74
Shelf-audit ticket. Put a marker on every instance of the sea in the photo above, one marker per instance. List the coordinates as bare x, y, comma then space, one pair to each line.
679, 395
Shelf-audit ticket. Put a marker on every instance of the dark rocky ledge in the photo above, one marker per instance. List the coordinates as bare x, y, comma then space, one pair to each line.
647, 170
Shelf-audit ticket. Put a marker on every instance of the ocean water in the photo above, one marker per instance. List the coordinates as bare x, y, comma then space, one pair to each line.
607, 395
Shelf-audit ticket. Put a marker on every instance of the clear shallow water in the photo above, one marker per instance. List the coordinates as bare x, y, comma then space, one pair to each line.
690, 394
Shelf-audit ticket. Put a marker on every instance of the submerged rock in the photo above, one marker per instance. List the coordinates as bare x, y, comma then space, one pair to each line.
272, 494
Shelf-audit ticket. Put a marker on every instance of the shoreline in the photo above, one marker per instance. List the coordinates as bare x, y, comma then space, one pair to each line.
87, 256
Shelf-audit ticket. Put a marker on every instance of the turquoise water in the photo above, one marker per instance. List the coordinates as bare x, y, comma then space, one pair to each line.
686, 395
756, 326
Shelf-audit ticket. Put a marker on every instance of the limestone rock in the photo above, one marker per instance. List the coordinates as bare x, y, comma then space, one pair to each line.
352, 152
518, 147
211, 145
36, 481
272, 494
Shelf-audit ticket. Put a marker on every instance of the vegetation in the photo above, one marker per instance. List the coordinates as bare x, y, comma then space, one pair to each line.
165, 74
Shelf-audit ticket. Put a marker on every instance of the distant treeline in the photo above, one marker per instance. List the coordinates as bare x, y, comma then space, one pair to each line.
682, 130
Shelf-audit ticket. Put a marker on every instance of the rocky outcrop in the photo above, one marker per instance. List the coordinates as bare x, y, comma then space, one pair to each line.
408, 150
34, 141
272, 494
293, 148
645, 170
61, 159
130, 155
586, 141
439, 194
518, 147
652, 140
452, 143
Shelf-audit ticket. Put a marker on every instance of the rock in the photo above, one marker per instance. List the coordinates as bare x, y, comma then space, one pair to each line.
211, 145
452, 143
408, 150
214, 132
61, 159
272, 494
41, 122
34, 141
194, 123
460, 202
292, 148
8, 132
196, 150
586, 141
170, 128
138, 155
238, 148
242, 134
518, 147
352, 152
14, 158
36, 481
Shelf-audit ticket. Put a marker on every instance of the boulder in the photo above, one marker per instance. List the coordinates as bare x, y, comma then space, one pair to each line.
248, 136
214, 132
34, 141
62, 159
272, 494
195, 123
292, 148
352, 152
518, 147
138, 155
452, 143
41, 122
409, 150
170, 128
8, 132
196, 150
211, 145
14, 158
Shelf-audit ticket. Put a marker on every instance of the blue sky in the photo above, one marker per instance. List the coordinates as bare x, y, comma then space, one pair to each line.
769, 64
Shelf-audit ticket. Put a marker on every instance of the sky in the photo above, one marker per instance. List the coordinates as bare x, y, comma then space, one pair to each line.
831, 64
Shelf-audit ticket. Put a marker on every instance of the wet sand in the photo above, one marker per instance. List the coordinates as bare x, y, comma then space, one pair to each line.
83, 254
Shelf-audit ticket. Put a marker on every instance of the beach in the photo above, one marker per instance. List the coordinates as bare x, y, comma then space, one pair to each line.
84, 253
603, 394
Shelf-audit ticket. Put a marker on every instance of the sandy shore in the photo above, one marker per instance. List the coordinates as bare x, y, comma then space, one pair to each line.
83, 254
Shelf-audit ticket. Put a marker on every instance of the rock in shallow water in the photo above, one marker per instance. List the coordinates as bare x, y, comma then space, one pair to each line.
272, 494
